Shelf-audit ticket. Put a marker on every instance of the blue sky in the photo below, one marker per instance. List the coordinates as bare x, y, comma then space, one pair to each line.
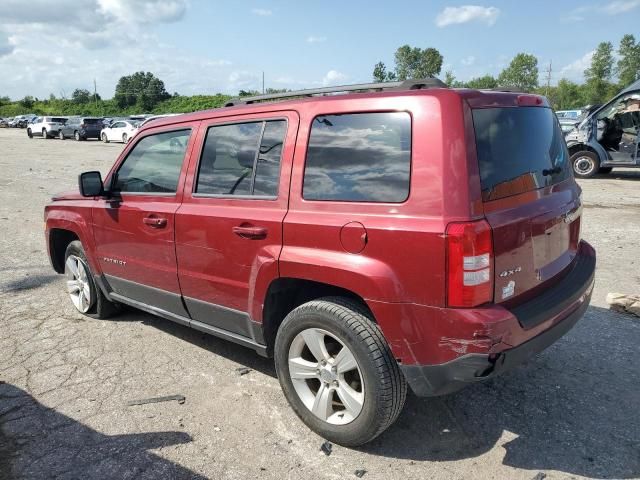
199, 46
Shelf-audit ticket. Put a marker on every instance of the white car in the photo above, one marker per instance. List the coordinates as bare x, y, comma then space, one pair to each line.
119, 131
45, 127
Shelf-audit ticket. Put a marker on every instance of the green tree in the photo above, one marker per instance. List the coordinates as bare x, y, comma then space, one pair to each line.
27, 102
380, 73
567, 95
414, 63
628, 66
4, 101
144, 90
81, 95
449, 78
486, 81
522, 73
597, 76
248, 93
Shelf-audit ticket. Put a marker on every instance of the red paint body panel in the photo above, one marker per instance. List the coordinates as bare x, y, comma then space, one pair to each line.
391, 255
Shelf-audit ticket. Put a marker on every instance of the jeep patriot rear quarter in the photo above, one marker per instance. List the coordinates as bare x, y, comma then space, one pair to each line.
367, 240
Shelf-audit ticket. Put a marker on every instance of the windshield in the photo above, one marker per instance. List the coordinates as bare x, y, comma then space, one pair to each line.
519, 149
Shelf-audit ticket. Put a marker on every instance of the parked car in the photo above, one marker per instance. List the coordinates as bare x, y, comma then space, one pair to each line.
81, 128
4, 122
366, 241
45, 127
607, 137
569, 114
119, 131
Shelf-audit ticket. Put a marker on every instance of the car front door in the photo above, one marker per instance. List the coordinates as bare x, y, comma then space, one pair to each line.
229, 226
114, 132
134, 226
618, 128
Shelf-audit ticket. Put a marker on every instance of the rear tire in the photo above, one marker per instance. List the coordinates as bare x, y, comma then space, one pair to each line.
125, 139
29, 133
354, 405
44, 133
585, 164
60, 135
77, 136
98, 305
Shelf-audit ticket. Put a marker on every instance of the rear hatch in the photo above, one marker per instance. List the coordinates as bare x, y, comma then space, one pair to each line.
92, 124
529, 196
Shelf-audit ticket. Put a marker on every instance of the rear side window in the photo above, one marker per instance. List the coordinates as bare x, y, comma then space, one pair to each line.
362, 157
519, 149
154, 164
242, 159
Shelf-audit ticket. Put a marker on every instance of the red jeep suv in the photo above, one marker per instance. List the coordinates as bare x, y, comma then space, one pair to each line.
392, 234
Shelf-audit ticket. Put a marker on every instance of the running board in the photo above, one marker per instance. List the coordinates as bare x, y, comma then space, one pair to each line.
203, 327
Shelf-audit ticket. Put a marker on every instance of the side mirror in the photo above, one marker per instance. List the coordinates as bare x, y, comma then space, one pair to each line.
91, 184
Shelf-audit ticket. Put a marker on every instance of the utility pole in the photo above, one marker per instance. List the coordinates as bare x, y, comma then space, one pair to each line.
548, 72
263, 82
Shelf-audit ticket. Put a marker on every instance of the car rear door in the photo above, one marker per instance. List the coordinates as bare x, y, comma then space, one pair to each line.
134, 227
529, 196
229, 226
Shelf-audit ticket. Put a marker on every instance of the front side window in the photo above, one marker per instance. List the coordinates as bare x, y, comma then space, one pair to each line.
362, 157
242, 159
154, 164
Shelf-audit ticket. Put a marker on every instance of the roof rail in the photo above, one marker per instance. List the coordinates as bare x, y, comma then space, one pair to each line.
359, 87
507, 89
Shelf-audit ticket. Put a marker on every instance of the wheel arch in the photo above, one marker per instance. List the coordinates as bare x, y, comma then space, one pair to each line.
59, 240
284, 294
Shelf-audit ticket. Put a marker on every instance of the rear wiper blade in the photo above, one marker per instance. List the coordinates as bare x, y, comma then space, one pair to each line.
552, 171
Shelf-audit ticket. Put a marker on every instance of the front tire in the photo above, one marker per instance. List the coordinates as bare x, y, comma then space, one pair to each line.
104, 138
61, 135
585, 164
44, 133
125, 139
83, 292
29, 133
337, 371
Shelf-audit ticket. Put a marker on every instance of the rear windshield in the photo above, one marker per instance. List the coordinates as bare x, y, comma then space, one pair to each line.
519, 149
58, 120
92, 121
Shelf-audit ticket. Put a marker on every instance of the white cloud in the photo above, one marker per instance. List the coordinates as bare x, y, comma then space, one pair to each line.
262, 12
574, 71
467, 13
468, 61
333, 77
613, 8
620, 6
6, 45
314, 39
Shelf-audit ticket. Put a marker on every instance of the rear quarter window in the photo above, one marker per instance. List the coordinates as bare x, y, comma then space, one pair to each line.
361, 157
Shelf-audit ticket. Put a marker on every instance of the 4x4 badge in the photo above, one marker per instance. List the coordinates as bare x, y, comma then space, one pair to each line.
508, 273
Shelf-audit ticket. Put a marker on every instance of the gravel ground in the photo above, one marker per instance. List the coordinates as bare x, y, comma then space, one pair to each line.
65, 380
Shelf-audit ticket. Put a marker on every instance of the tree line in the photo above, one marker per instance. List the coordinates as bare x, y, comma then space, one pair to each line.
523, 73
143, 92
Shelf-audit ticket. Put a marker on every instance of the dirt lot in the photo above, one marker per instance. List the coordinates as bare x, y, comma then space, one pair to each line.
65, 380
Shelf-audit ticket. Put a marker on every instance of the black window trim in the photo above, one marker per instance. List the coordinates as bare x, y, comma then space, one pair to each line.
369, 202
264, 121
137, 141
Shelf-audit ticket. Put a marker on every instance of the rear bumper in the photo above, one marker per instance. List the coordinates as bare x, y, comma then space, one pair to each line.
553, 313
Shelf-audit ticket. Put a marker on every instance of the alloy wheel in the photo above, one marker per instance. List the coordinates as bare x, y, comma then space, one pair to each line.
584, 165
78, 285
326, 376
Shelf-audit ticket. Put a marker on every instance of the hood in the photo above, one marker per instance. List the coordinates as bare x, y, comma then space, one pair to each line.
70, 195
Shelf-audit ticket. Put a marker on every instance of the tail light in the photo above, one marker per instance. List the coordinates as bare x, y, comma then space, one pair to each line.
469, 264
